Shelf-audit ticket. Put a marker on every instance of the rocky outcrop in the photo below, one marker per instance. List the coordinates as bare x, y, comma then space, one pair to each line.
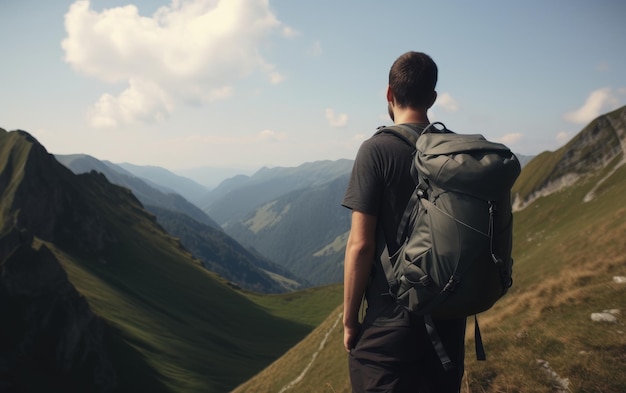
50, 340
47, 200
594, 148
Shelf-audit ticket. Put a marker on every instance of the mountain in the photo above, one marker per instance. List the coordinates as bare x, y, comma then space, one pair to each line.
95, 295
167, 181
524, 159
211, 177
304, 230
221, 254
561, 326
152, 195
593, 149
195, 230
47, 326
235, 198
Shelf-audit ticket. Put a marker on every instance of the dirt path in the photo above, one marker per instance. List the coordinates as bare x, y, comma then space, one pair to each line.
313, 357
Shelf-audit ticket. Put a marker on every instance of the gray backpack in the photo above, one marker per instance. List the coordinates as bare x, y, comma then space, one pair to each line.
456, 231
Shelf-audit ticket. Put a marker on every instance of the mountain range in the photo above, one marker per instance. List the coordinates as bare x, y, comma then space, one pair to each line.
196, 230
95, 296
288, 215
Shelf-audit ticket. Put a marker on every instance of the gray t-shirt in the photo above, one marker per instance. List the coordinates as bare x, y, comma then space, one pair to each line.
381, 185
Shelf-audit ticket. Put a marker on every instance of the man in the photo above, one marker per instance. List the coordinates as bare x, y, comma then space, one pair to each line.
391, 351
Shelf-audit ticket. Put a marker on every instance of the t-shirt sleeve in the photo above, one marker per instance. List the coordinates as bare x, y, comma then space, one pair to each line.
366, 185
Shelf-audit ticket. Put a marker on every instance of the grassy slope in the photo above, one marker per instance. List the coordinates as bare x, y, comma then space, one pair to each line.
566, 253
195, 332
172, 326
309, 307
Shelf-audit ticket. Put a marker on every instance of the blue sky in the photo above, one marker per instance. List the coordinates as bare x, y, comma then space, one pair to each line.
251, 83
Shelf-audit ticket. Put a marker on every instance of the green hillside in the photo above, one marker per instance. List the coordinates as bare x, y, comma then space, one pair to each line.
170, 325
540, 337
198, 233
299, 230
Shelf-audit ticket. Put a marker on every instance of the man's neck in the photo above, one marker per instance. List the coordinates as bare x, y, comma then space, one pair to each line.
411, 116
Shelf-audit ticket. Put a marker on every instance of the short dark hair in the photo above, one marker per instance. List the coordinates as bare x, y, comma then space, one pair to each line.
412, 79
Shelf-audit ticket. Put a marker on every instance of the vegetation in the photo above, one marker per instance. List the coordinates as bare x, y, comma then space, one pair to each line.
192, 331
567, 254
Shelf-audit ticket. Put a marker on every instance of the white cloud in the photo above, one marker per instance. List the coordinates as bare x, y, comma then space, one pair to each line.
269, 135
289, 32
141, 101
336, 120
276, 78
598, 102
188, 51
511, 139
447, 102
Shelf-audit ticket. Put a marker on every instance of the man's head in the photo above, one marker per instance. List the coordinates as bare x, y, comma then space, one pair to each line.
412, 81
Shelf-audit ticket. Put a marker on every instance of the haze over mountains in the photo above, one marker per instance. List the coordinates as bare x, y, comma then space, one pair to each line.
107, 289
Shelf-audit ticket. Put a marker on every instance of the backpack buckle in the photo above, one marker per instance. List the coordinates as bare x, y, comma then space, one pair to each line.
425, 280
451, 285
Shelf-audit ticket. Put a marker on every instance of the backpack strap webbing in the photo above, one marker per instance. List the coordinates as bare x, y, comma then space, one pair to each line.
385, 262
446, 362
478, 340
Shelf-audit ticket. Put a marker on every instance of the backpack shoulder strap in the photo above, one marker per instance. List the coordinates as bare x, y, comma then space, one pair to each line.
402, 131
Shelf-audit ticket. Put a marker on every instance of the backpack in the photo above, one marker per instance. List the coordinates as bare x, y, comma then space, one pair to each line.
456, 230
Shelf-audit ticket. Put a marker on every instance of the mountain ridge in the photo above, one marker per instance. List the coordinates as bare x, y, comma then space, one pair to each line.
147, 194
215, 250
299, 229
236, 197
593, 148
167, 181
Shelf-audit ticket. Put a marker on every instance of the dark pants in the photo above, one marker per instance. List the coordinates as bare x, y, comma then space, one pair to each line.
394, 353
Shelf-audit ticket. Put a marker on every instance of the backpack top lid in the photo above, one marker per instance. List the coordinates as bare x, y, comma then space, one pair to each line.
468, 164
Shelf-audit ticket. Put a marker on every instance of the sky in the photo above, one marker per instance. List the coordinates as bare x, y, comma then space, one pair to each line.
244, 84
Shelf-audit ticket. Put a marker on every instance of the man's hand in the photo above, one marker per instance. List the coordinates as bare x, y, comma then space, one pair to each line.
350, 335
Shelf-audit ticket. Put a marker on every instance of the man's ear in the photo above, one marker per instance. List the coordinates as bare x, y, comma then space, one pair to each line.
390, 97
433, 99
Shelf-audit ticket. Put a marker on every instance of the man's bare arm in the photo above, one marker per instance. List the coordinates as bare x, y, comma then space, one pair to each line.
360, 250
